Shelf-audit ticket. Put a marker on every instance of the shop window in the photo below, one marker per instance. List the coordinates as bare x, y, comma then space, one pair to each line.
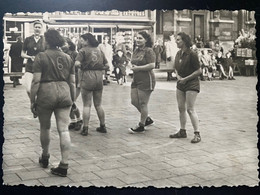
185, 13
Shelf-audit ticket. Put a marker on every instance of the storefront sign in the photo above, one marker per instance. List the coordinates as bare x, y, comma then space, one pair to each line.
133, 13
108, 13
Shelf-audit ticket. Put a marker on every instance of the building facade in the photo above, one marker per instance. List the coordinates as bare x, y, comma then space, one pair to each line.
221, 25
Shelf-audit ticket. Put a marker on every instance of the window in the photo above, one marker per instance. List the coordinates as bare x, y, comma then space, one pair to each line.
225, 15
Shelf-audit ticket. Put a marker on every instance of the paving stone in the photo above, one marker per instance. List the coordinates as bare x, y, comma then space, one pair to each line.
109, 173
28, 175
85, 168
9, 178
133, 178
187, 180
55, 181
80, 177
161, 183
107, 182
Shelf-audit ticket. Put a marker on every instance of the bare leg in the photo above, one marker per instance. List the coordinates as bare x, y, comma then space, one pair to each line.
62, 121
191, 99
45, 125
135, 99
97, 97
87, 101
28, 77
143, 97
181, 100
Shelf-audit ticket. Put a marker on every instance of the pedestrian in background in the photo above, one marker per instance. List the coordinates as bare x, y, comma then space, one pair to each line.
16, 59
76, 121
157, 48
92, 63
171, 51
143, 63
107, 49
188, 86
120, 62
53, 90
31, 47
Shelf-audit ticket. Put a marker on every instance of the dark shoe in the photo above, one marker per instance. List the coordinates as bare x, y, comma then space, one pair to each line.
84, 131
137, 129
229, 78
196, 138
101, 129
180, 134
61, 170
104, 82
233, 78
78, 125
148, 121
44, 161
72, 125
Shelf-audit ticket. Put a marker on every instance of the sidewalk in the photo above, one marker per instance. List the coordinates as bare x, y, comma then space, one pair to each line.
227, 154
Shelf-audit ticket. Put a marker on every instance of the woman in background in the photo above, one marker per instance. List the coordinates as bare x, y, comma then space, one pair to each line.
76, 121
92, 63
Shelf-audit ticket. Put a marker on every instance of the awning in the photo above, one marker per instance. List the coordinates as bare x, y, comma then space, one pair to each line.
102, 26
134, 27
21, 19
67, 25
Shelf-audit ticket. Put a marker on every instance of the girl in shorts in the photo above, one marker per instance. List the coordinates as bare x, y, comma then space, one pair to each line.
91, 62
53, 91
143, 63
188, 86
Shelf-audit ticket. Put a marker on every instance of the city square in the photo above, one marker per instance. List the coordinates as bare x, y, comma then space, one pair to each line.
222, 47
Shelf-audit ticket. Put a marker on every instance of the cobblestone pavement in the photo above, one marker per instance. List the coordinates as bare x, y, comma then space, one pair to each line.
227, 154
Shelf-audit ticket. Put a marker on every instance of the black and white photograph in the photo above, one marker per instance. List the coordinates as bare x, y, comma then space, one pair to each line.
162, 98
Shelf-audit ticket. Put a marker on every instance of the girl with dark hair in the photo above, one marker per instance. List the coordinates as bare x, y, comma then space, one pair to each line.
188, 86
76, 121
92, 62
143, 63
53, 90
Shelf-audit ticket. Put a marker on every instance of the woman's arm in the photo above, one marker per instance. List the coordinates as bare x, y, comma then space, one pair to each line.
146, 67
189, 77
72, 87
24, 55
35, 86
34, 89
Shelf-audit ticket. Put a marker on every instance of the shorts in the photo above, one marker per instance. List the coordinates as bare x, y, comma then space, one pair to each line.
192, 85
91, 80
53, 95
144, 81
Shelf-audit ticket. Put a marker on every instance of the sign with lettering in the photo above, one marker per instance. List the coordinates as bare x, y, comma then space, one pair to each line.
107, 13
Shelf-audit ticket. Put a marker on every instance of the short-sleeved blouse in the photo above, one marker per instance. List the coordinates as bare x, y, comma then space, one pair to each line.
91, 58
142, 57
54, 65
186, 63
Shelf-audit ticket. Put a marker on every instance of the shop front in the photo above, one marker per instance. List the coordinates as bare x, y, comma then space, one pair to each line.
121, 27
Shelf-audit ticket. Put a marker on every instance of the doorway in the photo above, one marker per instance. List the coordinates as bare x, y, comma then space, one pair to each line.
199, 26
